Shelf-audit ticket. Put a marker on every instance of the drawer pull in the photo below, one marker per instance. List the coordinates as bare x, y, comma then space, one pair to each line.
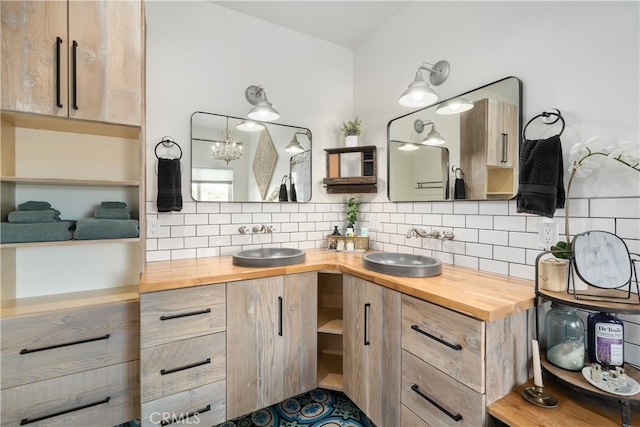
191, 313
455, 417
88, 405
441, 341
182, 368
183, 419
26, 351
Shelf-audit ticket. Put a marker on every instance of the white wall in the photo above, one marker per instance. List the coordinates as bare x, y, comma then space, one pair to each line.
579, 57
202, 57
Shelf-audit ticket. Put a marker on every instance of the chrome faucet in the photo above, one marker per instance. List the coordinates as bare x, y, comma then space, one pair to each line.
434, 234
263, 229
243, 229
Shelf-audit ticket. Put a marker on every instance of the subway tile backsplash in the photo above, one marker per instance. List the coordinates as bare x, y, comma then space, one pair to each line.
489, 235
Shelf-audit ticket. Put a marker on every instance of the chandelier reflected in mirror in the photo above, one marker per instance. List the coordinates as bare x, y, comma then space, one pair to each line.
227, 148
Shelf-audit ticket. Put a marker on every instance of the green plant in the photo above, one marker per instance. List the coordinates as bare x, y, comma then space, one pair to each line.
582, 158
353, 208
352, 127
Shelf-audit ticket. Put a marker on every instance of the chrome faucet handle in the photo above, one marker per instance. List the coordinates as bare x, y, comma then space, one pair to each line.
447, 235
243, 229
269, 229
257, 229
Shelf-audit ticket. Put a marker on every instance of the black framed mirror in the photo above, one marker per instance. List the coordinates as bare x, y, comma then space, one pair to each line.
234, 159
449, 151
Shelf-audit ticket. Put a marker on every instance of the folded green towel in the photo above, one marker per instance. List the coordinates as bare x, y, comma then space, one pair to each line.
112, 205
36, 232
28, 217
111, 213
34, 206
92, 228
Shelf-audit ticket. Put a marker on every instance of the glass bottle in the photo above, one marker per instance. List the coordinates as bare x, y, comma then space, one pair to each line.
605, 338
564, 332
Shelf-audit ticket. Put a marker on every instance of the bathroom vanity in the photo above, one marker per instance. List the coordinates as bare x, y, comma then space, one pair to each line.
393, 344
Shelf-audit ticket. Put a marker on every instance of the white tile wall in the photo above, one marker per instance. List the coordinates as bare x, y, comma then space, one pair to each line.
488, 235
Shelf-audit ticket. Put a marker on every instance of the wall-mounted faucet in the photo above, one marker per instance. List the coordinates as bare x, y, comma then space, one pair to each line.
243, 230
434, 234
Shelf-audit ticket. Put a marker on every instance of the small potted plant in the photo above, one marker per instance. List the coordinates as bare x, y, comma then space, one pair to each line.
351, 214
351, 130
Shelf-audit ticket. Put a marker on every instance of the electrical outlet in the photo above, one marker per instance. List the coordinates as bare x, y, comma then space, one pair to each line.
152, 227
547, 233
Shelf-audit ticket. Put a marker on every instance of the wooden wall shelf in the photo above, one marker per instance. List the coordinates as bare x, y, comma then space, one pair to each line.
351, 170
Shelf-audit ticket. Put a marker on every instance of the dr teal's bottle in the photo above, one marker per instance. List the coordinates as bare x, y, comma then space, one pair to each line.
605, 335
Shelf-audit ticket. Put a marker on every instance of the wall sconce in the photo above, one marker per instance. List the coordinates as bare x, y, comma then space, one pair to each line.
262, 110
419, 93
455, 106
249, 126
294, 146
433, 137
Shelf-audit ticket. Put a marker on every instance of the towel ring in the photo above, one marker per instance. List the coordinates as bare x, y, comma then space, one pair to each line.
167, 142
545, 114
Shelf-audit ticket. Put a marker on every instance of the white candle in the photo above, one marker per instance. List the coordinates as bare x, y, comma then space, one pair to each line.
537, 372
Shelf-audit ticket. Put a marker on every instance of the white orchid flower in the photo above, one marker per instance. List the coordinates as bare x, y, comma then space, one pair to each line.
585, 168
625, 151
580, 150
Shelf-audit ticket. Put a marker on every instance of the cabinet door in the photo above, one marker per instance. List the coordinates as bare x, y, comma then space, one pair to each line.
30, 80
502, 133
372, 356
105, 78
300, 313
254, 376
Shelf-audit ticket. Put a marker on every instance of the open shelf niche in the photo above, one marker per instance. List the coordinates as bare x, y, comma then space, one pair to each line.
330, 345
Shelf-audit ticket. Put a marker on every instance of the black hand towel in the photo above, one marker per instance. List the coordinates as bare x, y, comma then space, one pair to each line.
294, 195
169, 185
541, 185
282, 194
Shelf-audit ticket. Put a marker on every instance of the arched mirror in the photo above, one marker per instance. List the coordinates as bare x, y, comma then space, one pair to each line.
238, 160
465, 147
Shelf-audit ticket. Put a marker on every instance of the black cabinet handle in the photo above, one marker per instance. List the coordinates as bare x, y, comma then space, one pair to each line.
190, 313
58, 45
34, 350
74, 78
88, 405
455, 417
441, 341
505, 147
280, 316
182, 419
182, 368
366, 321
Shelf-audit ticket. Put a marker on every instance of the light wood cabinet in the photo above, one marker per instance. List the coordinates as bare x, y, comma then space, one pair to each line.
453, 365
183, 358
372, 349
71, 366
76, 59
489, 148
271, 353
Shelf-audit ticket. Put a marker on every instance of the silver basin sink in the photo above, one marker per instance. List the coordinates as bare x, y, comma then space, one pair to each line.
406, 265
268, 257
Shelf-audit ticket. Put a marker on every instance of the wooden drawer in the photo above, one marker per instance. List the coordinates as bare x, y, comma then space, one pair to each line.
409, 419
421, 382
49, 345
100, 397
178, 314
203, 405
452, 342
182, 365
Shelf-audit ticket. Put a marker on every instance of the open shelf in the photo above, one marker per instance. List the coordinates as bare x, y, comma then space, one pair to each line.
69, 243
575, 379
330, 320
330, 346
71, 182
330, 371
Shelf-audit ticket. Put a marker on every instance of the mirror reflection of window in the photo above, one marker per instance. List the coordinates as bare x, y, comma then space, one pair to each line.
212, 185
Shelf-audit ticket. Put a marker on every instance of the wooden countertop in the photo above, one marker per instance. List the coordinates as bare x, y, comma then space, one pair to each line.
481, 295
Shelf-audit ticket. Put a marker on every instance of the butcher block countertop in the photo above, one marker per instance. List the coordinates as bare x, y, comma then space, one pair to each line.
482, 295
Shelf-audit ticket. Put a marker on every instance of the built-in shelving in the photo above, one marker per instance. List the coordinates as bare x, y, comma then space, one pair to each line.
330, 329
69, 182
69, 243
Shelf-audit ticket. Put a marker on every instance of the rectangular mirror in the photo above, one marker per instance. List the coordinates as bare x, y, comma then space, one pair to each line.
446, 151
240, 160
